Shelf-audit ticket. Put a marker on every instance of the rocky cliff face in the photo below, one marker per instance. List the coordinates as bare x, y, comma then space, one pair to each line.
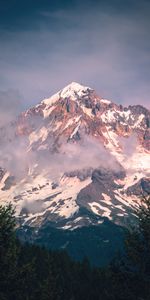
75, 150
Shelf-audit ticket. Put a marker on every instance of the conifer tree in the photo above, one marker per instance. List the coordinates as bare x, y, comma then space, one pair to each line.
8, 249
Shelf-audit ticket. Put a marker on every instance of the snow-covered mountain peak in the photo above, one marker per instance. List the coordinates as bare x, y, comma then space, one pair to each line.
73, 90
77, 150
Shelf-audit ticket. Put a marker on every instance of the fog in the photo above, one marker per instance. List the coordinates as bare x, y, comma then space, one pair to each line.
16, 158
10, 106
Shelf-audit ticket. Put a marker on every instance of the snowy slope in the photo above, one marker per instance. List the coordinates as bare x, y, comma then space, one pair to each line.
75, 150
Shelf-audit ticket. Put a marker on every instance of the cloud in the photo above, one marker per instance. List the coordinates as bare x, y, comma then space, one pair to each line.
107, 49
129, 145
16, 158
88, 154
33, 206
10, 106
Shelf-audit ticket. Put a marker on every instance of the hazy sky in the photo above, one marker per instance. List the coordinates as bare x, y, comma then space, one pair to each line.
46, 44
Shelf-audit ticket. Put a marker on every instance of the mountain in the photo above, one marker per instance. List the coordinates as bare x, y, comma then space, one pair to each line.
75, 160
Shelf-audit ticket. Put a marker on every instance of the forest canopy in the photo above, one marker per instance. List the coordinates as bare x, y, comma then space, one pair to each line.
30, 272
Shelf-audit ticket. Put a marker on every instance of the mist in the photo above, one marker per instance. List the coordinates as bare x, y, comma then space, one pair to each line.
88, 153
129, 144
10, 106
21, 162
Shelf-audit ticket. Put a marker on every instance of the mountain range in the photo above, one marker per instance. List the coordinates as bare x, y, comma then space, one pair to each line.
75, 160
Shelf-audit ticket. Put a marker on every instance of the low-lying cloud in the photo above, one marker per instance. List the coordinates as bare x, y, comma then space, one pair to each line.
33, 206
88, 153
129, 145
10, 106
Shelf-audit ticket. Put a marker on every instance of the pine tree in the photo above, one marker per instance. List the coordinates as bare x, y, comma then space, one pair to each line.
130, 275
8, 249
138, 250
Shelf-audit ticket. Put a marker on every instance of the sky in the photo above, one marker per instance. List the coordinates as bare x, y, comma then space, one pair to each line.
46, 44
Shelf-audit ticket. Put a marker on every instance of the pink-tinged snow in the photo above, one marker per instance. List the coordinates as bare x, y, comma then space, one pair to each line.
75, 130
97, 208
72, 121
64, 196
52, 100
138, 122
2, 183
74, 90
107, 198
75, 223
105, 101
125, 114
137, 162
87, 111
108, 116
112, 138
47, 110
39, 134
127, 201
70, 190
77, 219
131, 179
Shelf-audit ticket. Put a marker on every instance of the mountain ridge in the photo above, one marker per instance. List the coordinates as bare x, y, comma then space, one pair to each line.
76, 150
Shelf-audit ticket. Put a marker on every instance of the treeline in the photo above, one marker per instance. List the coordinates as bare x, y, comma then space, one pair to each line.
28, 272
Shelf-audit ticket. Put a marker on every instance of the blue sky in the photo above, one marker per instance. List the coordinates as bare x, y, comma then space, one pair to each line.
44, 45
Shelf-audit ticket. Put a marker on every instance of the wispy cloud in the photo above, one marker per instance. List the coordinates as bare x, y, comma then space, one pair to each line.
10, 106
71, 157
107, 49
